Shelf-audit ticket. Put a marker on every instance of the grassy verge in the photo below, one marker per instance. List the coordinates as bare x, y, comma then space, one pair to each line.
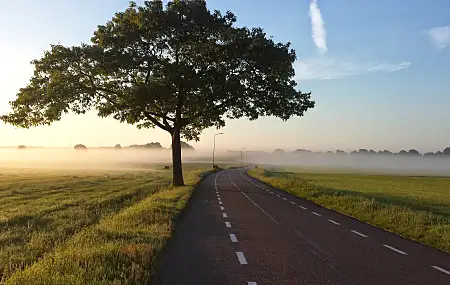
108, 229
414, 207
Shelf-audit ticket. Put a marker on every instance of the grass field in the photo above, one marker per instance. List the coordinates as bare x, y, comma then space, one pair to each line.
78, 227
414, 207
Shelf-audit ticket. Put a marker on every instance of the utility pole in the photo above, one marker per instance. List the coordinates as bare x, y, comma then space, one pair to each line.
241, 153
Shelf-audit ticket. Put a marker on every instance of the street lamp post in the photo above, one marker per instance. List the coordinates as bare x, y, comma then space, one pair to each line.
214, 147
241, 153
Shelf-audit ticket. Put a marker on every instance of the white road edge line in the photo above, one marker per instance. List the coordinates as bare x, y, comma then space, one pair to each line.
303, 207
251, 283
441, 269
334, 222
262, 210
317, 214
227, 224
358, 233
241, 257
394, 249
233, 238
224, 215
250, 181
222, 208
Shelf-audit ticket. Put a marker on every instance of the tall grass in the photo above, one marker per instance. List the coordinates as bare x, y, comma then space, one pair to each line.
100, 230
414, 207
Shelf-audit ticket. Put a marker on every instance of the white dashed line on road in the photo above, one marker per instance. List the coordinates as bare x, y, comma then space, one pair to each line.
441, 269
220, 202
317, 214
227, 224
293, 203
303, 207
215, 182
334, 222
358, 233
251, 283
222, 208
394, 249
284, 199
233, 238
278, 196
224, 215
241, 257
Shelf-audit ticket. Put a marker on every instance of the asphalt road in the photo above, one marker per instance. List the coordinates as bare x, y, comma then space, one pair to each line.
238, 230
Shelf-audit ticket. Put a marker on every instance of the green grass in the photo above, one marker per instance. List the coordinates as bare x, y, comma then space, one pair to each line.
75, 227
414, 207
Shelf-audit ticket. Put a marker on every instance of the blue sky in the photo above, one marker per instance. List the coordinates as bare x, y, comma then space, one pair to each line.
378, 70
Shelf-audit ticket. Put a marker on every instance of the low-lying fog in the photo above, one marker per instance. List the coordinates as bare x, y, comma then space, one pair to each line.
143, 159
381, 164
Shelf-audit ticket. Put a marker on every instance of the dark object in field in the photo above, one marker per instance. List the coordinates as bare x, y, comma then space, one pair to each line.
256, 166
167, 167
215, 166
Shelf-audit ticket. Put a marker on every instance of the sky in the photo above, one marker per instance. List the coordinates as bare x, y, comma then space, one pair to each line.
378, 70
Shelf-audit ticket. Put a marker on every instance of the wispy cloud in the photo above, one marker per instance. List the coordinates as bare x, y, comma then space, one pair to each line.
319, 34
440, 36
331, 68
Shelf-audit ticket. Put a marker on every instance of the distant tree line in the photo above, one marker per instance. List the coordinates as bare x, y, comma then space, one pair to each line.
363, 151
152, 145
80, 147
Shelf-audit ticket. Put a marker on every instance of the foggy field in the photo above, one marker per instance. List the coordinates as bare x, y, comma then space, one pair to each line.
414, 207
70, 226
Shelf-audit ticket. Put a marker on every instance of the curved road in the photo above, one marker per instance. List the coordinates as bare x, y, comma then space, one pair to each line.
238, 230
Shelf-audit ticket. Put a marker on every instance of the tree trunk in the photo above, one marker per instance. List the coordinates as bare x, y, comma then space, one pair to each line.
177, 179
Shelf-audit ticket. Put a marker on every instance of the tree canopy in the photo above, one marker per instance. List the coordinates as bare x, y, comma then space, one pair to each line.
80, 147
181, 68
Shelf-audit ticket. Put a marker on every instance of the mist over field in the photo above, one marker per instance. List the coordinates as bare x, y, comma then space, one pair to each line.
98, 158
380, 164
127, 158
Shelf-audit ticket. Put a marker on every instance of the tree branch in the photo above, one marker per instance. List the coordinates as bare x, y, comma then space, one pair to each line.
98, 88
156, 122
164, 117
150, 115
166, 123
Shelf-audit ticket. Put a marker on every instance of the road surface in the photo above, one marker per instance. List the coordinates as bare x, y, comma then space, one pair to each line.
238, 230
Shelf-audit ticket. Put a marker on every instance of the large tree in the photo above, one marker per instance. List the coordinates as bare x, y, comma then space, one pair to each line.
181, 68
